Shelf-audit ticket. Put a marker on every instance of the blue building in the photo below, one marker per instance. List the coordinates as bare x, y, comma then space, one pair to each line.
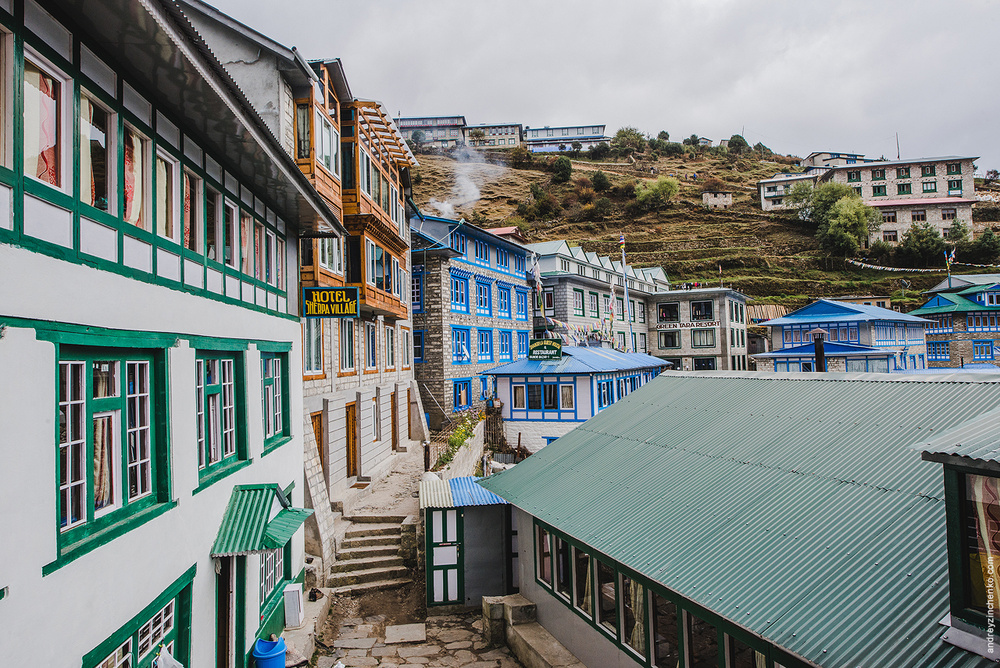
549, 139
472, 309
856, 338
545, 399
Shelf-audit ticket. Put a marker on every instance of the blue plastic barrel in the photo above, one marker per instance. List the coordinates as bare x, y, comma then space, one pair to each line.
269, 654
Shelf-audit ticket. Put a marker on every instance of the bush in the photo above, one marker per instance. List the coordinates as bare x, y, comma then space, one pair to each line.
653, 196
586, 195
712, 184
583, 182
623, 190
547, 205
602, 208
881, 252
921, 246
600, 181
520, 157
672, 148
458, 438
599, 152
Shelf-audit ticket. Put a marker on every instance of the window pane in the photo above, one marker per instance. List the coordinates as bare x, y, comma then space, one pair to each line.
192, 192
634, 615
742, 655
703, 640
105, 379
94, 166
982, 540
519, 396
535, 397
551, 397
583, 579
164, 198
134, 177
42, 143
211, 223
665, 635
104, 447
608, 610
562, 568
544, 551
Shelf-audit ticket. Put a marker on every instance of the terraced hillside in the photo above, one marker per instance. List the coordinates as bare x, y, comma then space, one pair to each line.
769, 256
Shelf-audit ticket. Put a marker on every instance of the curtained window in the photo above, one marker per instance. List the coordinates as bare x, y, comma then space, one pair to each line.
634, 615
543, 548
229, 235
191, 208
95, 169
42, 125
982, 539
584, 582
665, 633
134, 177
166, 197
246, 243
212, 226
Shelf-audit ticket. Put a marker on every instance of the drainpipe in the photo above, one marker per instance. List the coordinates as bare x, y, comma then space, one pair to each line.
818, 335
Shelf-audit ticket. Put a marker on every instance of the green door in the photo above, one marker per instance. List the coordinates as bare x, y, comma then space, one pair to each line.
445, 572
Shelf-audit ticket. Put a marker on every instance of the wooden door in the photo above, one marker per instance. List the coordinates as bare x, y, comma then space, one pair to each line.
225, 607
395, 422
352, 439
319, 433
445, 570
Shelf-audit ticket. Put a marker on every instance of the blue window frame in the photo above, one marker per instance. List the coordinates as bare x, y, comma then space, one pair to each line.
938, 351
605, 393
519, 264
522, 305
484, 299
982, 350
503, 259
486, 345
505, 347
503, 299
461, 393
458, 242
418, 346
459, 294
417, 293
484, 387
460, 346
522, 345
482, 255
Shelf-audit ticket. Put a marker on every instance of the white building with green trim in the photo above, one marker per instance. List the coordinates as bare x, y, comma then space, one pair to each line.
149, 336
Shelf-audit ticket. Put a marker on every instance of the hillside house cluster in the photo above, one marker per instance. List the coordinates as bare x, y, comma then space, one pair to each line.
454, 131
964, 321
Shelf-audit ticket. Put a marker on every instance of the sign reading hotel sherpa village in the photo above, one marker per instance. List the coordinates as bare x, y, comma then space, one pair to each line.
545, 349
329, 302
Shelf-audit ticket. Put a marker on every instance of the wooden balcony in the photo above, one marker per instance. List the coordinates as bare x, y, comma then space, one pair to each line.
380, 303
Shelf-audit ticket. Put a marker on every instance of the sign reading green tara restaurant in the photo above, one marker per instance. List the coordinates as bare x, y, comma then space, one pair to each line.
545, 349
329, 302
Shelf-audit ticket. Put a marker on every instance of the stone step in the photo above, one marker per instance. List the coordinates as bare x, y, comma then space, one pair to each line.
366, 530
351, 565
366, 575
351, 543
368, 552
381, 585
376, 519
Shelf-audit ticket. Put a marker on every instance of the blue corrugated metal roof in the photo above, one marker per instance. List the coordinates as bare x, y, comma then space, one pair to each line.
792, 506
828, 310
468, 492
830, 349
582, 360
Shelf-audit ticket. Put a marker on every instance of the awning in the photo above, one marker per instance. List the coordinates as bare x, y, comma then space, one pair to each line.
258, 518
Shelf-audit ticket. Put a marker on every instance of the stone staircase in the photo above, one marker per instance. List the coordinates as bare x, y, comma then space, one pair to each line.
370, 557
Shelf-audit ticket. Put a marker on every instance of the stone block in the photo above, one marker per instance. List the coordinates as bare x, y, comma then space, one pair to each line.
518, 610
405, 633
355, 643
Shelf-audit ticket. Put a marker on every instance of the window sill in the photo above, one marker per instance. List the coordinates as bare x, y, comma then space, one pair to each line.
370, 371
72, 552
275, 444
209, 478
347, 373
320, 376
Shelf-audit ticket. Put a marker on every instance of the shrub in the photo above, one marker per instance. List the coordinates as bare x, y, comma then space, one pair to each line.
583, 182
602, 208
712, 184
586, 195
600, 181
562, 169
651, 196
599, 152
881, 252
520, 157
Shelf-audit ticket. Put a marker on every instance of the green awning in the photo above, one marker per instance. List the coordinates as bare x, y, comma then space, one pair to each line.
250, 524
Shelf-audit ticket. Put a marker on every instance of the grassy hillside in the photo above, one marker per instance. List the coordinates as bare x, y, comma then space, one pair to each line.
770, 256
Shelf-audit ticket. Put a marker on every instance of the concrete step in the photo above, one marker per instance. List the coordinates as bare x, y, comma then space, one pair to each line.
366, 530
368, 552
376, 519
351, 543
352, 565
382, 585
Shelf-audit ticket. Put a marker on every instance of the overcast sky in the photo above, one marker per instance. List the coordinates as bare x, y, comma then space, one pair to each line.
797, 75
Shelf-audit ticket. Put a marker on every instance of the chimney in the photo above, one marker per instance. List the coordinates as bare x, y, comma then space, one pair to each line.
818, 335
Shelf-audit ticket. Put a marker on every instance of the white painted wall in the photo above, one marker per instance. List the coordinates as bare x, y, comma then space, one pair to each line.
90, 598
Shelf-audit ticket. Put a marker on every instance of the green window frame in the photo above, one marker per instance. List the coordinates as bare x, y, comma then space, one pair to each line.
878, 191
903, 189
112, 451
579, 308
902, 172
928, 170
220, 413
165, 621
595, 305
853, 175
878, 175
954, 168
929, 186
702, 338
954, 184
274, 399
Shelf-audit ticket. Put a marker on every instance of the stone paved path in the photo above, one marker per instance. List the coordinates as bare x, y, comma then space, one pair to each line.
452, 641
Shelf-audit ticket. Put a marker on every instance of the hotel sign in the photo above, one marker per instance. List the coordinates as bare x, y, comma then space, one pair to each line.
545, 349
329, 302
688, 325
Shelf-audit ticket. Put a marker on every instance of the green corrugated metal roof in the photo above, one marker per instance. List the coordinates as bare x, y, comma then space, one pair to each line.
247, 525
958, 304
793, 505
975, 439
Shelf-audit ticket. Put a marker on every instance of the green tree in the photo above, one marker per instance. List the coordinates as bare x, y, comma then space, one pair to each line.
418, 137
477, 136
629, 140
577, 147
847, 226
599, 152
762, 150
600, 181
663, 135
921, 246
817, 209
986, 248
651, 196
958, 234
738, 145
691, 141
673, 148
562, 169
520, 157
800, 194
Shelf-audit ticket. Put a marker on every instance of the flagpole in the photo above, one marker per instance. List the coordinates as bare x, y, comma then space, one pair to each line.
628, 311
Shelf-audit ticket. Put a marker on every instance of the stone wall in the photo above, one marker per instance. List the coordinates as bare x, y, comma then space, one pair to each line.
533, 434
466, 458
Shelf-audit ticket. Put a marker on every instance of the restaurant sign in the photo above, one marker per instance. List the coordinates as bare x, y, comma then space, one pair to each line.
545, 349
329, 302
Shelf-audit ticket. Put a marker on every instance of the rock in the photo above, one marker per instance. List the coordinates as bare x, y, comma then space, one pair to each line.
419, 650
351, 621
375, 619
418, 659
355, 643
454, 635
461, 644
360, 661
357, 652
326, 662
383, 651
405, 633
